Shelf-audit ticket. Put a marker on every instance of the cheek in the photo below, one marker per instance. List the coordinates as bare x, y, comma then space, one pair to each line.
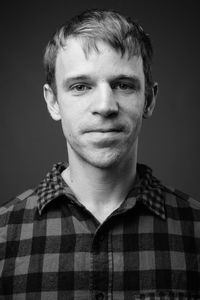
135, 113
135, 121
70, 121
134, 106
67, 122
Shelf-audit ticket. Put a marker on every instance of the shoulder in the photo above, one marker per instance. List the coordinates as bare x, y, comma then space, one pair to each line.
181, 206
174, 199
175, 196
13, 210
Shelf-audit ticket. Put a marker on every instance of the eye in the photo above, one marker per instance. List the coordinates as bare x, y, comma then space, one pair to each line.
80, 87
121, 86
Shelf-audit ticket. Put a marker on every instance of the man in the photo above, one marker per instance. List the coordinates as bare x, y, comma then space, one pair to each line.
100, 226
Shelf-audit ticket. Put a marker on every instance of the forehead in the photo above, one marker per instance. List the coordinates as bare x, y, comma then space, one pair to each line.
72, 60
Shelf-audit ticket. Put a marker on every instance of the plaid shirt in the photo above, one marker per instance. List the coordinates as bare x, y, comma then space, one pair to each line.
52, 247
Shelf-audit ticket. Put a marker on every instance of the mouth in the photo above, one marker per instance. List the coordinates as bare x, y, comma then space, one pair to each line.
105, 137
105, 130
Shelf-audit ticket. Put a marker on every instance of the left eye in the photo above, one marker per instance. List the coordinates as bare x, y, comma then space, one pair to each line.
121, 86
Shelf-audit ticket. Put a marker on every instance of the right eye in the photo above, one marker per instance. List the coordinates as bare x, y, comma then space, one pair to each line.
80, 87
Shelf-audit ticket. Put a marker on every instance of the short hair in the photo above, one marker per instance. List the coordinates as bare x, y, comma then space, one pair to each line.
120, 32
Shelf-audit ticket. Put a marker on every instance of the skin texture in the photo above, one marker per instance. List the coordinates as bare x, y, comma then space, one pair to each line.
101, 103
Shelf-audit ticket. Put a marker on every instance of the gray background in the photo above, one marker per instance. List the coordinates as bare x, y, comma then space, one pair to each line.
31, 142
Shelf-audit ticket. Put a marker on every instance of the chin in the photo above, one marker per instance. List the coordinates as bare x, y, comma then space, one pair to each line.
104, 161
103, 158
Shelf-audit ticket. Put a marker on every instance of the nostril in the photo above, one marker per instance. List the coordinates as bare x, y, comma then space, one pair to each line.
106, 112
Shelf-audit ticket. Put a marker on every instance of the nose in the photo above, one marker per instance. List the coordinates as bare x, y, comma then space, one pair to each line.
105, 102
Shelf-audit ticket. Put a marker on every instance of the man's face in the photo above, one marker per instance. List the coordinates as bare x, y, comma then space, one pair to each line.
100, 101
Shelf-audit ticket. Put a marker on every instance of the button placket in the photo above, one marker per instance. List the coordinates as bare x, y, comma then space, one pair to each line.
99, 265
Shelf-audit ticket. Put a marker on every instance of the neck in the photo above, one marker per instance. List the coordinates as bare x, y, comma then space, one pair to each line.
98, 189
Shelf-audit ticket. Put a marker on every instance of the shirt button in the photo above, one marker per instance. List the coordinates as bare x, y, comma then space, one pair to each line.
100, 296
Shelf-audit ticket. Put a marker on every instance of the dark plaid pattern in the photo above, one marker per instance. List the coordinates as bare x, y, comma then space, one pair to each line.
52, 247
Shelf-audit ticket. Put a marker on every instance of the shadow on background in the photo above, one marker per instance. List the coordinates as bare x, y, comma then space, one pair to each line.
31, 142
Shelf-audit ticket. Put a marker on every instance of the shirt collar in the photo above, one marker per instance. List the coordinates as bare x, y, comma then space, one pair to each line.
147, 190
52, 186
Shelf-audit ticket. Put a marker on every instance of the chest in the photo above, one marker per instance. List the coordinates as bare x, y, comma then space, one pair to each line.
138, 254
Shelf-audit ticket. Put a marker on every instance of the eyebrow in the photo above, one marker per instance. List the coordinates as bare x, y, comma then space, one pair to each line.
132, 78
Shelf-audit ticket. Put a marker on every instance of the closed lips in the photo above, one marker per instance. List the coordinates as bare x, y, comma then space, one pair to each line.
105, 130
112, 129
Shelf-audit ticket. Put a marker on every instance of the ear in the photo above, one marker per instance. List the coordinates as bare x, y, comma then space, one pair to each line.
52, 103
150, 102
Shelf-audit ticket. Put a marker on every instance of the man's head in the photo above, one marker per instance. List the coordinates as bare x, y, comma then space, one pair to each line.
119, 32
99, 84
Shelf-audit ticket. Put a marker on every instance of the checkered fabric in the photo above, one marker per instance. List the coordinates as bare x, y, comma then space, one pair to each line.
52, 247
